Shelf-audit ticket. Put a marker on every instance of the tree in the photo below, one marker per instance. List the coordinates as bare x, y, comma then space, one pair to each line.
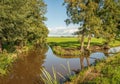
22, 21
84, 11
110, 16
118, 21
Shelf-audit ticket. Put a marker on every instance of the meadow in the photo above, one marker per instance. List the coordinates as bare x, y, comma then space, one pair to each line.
73, 42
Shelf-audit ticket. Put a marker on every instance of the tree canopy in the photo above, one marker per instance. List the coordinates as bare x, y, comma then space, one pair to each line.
110, 16
22, 21
98, 17
85, 11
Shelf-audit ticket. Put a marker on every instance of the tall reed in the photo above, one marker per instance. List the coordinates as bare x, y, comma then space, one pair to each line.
49, 79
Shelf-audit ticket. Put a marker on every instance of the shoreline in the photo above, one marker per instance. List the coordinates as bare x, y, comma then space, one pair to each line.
92, 73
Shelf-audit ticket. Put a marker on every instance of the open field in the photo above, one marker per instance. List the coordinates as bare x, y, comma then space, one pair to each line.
69, 42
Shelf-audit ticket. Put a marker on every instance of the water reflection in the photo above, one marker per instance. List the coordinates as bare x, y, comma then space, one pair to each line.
26, 70
76, 63
85, 56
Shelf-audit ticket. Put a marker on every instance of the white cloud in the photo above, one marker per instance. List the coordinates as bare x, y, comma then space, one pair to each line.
62, 31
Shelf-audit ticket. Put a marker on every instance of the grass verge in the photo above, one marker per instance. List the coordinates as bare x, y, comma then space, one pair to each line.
7, 58
6, 61
70, 46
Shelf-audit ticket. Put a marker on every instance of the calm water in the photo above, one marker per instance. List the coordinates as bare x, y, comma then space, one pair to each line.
26, 69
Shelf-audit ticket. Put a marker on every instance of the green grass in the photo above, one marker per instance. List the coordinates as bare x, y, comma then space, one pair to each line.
105, 72
68, 42
6, 61
61, 39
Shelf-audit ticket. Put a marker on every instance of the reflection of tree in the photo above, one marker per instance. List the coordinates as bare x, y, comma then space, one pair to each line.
84, 55
26, 70
105, 51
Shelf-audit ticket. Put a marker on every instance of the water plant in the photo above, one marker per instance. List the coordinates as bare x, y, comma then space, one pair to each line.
52, 78
48, 79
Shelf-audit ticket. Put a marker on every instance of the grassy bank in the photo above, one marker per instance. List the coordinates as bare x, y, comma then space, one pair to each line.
105, 72
7, 57
70, 46
6, 61
73, 42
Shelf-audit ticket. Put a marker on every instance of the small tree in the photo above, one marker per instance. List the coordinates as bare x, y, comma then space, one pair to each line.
84, 11
110, 16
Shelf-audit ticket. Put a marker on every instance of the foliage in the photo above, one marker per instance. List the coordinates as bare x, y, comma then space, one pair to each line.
84, 13
95, 17
22, 21
110, 16
5, 62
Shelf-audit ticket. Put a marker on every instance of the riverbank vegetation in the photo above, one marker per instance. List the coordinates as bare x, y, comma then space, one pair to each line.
104, 72
71, 45
21, 26
6, 61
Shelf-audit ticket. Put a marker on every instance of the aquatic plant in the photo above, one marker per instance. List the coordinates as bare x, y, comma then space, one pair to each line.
49, 79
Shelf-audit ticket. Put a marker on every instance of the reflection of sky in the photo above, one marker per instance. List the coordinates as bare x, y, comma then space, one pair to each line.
97, 55
114, 50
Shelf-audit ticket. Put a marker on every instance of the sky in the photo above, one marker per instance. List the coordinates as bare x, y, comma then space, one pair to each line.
56, 15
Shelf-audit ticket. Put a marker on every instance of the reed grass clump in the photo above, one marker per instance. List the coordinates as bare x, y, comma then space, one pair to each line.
52, 78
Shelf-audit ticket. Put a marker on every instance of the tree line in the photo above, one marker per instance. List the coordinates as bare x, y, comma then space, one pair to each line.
22, 22
100, 18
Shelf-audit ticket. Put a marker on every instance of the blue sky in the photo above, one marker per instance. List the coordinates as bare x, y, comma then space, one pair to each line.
56, 14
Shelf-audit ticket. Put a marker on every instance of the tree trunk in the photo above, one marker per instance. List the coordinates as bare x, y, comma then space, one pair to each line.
89, 40
82, 62
82, 43
88, 61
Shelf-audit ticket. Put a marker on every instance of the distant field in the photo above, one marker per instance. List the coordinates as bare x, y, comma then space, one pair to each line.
61, 39
74, 41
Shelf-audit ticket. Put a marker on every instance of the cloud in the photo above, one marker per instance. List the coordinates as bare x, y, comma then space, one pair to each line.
62, 31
